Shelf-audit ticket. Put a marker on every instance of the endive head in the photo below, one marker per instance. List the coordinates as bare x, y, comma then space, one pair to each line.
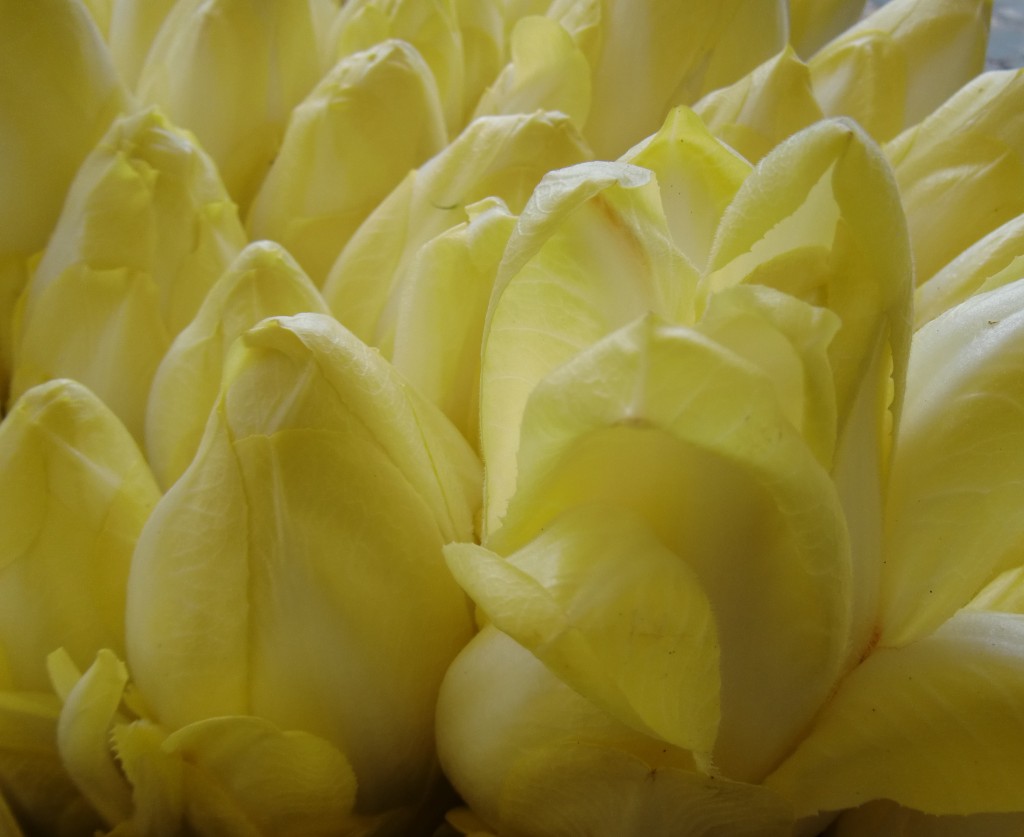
294, 571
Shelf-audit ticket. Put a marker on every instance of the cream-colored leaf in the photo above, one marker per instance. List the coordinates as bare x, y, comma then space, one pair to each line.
812, 23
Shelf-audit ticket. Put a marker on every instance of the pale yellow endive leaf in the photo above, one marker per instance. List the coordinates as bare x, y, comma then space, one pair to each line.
146, 230
763, 108
263, 281
898, 64
697, 177
953, 517
820, 218
904, 724
612, 612
484, 46
371, 120
1005, 593
83, 732
967, 153
991, 262
665, 423
230, 71
431, 26
52, 46
273, 579
440, 318
74, 494
812, 23
651, 58
134, 25
496, 156
591, 252
547, 71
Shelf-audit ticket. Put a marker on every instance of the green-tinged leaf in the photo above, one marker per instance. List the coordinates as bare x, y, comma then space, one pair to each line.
812, 23
592, 251
263, 281
74, 494
146, 230
294, 572
993, 261
496, 156
499, 704
662, 421
651, 58
156, 777
898, 64
371, 120
969, 152
230, 71
547, 71
51, 46
697, 176
820, 218
245, 775
763, 108
83, 735
440, 319
937, 726
431, 26
884, 817
953, 517
612, 612
33, 783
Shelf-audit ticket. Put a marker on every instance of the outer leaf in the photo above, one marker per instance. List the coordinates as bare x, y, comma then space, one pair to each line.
74, 494
274, 579
953, 516
548, 71
441, 314
969, 152
146, 231
262, 282
820, 218
763, 108
231, 71
901, 62
49, 45
653, 57
612, 612
496, 156
591, 252
812, 23
937, 725
991, 262
688, 436
373, 118
134, 25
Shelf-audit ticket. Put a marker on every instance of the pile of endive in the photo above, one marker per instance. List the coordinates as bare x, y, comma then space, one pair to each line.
533, 418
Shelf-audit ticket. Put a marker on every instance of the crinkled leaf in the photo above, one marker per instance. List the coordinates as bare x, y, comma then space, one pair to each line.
953, 518
937, 725
146, 230
263, 281
74, 495
620, 618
